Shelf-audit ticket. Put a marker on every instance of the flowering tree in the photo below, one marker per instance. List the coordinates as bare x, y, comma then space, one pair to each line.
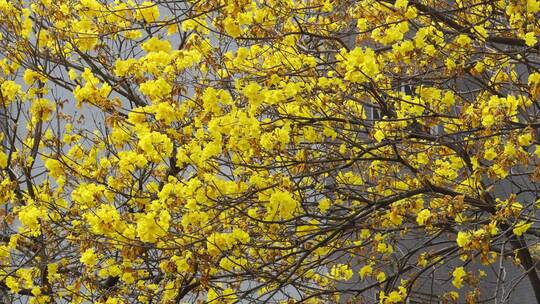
223, 151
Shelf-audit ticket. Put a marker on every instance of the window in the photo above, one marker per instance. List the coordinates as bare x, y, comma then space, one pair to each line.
436, 130
407, 89
373, 113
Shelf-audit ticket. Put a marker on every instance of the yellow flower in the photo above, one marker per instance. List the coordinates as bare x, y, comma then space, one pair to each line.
450, 64
268, 142
281, 204
394, 297
521, 228
453, 295
89, 258
154, 44
212, 296
488, 120
155, 145
463, 239
9, 90
360, 64
384, 248
149, 11
510, 149
362, 24
481, 31
533, 6
122, 67
30, 76
341, 272
381, 277
149, 229
13, 284
379, 135
490, 154
411, 12
401, 4
534, 79
229, 296
29, 216
365, 271
458, 275
156, 89
525, 139
3, 160
36, 291
423, 216
324, 204
104, 220
41, 109
422, 158
463, 40
530, 39
232, 27
128, 278
164, 112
